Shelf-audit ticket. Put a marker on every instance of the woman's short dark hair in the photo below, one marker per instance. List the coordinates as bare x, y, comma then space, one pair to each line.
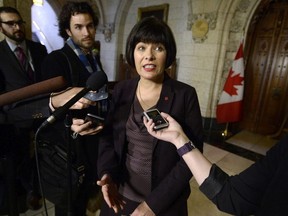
151, 30
70, 9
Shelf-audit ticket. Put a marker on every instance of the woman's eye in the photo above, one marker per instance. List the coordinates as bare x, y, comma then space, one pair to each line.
141, 48
159, 48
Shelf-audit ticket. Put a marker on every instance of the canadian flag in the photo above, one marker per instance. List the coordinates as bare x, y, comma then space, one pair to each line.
229, 108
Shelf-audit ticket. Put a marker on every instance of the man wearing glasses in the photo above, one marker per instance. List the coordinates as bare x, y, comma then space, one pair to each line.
20, 64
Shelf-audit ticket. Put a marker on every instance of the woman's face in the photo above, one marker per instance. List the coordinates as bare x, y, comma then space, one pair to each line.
150, 60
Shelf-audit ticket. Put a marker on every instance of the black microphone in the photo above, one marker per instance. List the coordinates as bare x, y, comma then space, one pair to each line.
94, 83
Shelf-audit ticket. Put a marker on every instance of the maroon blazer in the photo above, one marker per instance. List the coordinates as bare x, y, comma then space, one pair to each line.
170, 174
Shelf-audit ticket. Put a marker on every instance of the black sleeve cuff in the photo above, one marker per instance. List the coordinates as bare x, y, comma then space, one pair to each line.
214, 182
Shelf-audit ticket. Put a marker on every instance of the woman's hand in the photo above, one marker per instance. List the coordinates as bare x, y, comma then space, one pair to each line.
174, 133
58, 99
111, 194
143, 210
84, 128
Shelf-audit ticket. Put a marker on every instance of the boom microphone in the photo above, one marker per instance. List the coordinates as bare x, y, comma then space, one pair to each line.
35, 89
94, 83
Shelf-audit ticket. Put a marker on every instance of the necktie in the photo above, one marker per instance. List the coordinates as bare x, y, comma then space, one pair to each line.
24, 62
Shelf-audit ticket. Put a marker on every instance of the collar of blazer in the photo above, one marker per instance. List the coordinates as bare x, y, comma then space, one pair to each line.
166, 97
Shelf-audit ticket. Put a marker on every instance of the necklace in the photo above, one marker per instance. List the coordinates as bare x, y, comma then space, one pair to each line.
142, 102
146, 106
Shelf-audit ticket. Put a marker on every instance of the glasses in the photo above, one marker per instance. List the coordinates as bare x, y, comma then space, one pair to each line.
13, 24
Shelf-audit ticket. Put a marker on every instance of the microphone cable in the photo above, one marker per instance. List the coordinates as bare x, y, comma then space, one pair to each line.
38, 171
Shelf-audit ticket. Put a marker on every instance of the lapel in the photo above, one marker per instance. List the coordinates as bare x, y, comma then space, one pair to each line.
11, 56
166, 100
167, 95
32, 49
99, 64
12, 60
130, 91
76, 67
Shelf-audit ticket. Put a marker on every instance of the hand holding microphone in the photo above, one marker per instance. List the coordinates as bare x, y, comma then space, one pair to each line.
94, 83
58, 99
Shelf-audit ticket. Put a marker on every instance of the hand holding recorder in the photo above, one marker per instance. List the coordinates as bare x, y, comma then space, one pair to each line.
158, 120
91, 125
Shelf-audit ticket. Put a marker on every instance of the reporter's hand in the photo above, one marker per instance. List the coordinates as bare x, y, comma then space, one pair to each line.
143, 210
110, 193
173, 133
60, 98
84, 128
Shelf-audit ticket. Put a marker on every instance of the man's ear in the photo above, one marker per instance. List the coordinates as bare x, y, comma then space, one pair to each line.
68, 32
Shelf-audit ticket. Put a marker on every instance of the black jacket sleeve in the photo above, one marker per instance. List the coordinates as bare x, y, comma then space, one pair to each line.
254, 189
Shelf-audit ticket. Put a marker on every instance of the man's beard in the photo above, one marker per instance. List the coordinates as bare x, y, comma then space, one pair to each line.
18, 36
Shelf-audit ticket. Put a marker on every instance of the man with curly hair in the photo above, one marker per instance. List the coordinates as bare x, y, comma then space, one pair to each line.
76, 61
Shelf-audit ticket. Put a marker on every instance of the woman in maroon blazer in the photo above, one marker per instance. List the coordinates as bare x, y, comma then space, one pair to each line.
140, 174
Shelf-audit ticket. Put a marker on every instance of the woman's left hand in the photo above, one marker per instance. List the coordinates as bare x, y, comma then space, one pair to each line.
143, 210
84, 128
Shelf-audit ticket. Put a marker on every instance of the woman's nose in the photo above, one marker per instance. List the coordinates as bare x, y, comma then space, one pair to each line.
149, 55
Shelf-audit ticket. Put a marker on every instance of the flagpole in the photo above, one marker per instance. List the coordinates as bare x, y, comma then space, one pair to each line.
225, 132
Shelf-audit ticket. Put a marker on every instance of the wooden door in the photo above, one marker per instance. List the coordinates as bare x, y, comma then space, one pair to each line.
266, 75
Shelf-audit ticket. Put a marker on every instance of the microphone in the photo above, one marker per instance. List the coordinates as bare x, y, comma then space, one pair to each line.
33, 90
94, 83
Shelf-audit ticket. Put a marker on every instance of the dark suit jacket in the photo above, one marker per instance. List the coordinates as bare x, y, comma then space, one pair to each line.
170, 174
12, 76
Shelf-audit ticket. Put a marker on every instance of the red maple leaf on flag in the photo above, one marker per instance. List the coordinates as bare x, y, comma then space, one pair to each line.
232, 81
229, 107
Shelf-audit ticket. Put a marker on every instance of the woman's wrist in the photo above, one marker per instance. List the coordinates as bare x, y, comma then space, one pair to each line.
181, 140
56, 100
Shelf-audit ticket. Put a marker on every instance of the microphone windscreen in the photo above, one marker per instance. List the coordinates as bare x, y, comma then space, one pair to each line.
44, 87
96, 80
